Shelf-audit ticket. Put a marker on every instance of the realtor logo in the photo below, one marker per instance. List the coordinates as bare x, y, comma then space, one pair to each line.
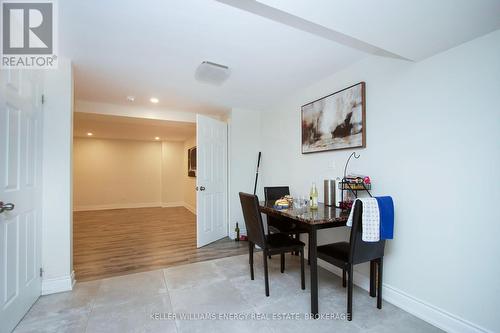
28, 30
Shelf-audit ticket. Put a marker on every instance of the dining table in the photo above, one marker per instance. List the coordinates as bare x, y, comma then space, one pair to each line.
312, 220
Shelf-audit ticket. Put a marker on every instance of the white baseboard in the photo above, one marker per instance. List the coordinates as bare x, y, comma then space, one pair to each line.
117, 206
421, 309
58, 284
172, 204
190, 208
134, 205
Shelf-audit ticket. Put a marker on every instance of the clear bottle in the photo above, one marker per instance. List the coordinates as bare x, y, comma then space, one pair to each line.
314, 196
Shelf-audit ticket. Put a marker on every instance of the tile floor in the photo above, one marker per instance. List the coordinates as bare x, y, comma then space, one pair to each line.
127, 303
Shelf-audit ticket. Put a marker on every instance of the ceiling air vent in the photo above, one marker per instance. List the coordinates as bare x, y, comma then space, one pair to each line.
212, 73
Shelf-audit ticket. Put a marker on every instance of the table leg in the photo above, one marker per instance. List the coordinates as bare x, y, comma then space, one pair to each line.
373, 277
314, 272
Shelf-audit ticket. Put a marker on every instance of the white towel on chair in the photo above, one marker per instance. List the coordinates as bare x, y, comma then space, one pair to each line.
370, 219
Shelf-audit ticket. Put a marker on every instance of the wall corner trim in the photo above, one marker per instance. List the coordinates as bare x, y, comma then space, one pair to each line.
189, 207
58, 284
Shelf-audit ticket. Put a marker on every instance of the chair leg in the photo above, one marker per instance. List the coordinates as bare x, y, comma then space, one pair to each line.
349, 293
282, 262
266, 275
250, 254
344, 283
302, 274
379, 284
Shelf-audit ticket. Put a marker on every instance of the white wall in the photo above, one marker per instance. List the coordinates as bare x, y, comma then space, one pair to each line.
433, 143
172, 173
112, 174
244, 146
57, 174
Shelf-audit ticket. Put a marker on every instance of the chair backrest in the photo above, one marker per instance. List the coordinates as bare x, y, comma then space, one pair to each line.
253, 219
275, 192
361, 251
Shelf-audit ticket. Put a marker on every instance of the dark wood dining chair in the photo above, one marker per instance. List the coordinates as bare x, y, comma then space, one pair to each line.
347, 254
281, 224
278, 224
270, 244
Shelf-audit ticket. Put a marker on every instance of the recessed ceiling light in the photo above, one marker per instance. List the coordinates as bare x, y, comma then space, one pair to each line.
90, 134
154, 100
131, 98
157, 138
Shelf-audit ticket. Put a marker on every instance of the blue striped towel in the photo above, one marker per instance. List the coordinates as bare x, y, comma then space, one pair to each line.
377, 218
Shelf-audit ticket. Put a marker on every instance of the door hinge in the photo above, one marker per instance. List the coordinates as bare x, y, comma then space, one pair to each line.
41, 271
43, 99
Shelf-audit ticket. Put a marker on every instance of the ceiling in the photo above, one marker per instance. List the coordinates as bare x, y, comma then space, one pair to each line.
410, 29
273, 47
128, 128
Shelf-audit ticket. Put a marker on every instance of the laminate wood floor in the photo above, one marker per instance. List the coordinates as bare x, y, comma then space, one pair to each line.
115, 242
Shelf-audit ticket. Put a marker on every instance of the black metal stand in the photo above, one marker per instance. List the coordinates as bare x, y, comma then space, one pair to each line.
347, 186
257, 174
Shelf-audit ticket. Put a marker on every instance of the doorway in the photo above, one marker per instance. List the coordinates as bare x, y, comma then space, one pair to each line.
136, 207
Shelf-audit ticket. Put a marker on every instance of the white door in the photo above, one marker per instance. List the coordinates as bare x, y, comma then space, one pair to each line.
20, 185
211, 180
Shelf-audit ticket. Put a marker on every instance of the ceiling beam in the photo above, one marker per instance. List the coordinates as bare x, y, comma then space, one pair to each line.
133, 111
299, 23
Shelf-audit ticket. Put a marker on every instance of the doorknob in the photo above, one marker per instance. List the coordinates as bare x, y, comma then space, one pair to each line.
202, 188
6, 207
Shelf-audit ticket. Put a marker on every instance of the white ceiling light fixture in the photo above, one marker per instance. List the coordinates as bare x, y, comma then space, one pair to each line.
157, 138
131, 98
90, 134
154, 100
212, 73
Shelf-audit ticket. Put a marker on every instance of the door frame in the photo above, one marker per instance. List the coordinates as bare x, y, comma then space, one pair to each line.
174, 118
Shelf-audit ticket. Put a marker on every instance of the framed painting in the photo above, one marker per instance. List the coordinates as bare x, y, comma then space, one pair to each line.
192, 162
336, 121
